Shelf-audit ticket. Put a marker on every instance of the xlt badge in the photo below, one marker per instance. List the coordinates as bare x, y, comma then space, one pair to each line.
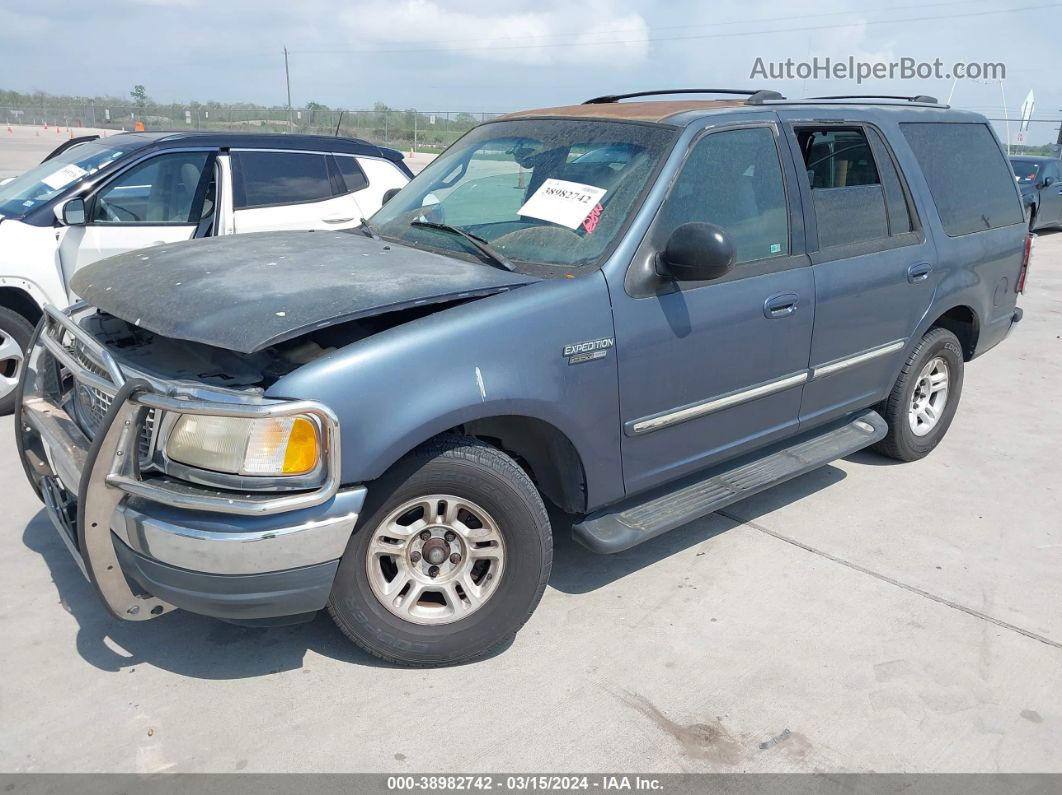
580, 352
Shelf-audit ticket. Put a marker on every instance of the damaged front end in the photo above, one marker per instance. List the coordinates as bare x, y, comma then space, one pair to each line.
254, 539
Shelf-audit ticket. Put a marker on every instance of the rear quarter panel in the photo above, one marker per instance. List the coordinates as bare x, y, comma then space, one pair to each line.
977, 270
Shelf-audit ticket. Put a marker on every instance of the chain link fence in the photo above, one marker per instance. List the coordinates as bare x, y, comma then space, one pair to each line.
422, 131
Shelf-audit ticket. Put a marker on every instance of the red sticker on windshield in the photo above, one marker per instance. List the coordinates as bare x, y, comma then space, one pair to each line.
590, 223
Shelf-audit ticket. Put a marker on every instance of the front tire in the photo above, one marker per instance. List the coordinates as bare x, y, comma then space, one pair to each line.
450, 558
15, 334
923, 401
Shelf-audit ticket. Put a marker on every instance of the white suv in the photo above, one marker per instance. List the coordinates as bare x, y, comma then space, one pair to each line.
133, 190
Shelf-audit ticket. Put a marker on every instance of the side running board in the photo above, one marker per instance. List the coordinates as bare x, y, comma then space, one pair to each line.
646, 516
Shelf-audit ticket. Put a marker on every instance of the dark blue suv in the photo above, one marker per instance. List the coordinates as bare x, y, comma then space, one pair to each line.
638, 311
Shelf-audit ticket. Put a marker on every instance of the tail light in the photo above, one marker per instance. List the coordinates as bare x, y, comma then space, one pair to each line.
1020, 286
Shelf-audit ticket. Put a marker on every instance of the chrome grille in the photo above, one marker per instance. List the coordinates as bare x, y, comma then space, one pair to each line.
92, 404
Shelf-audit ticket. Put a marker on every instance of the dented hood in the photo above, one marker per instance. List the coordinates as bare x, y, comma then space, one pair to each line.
247, 292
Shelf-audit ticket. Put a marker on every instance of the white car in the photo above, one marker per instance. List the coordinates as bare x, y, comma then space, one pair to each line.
132, 190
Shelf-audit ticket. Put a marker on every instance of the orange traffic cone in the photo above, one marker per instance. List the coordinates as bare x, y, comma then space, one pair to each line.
9, 130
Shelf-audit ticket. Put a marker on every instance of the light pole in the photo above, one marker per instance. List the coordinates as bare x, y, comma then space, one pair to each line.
287, 79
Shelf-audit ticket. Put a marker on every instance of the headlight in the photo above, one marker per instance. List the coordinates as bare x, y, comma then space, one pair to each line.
240, 446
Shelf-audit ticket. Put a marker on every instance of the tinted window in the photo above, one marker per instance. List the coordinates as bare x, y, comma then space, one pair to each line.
849, 199
271, 178
837, 158
895, 195
161, 190
969, 178
353, 176
734, 180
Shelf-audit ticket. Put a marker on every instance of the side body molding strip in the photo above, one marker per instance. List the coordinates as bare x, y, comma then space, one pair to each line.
701, 408
818, 371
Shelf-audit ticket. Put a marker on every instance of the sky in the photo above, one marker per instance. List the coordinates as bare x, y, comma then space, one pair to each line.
501, 55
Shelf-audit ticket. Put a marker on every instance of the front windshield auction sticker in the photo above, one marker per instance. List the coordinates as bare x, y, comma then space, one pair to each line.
64, 176
562, 202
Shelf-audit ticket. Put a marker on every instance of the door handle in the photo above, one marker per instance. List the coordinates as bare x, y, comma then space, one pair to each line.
919, 272
781, 305
337, 220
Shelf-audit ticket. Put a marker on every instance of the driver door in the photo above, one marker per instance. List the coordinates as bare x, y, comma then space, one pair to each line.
163, 199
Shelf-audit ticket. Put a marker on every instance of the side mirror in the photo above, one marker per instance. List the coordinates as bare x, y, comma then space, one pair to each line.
72, 212
696, 252
1049, 181
388, 195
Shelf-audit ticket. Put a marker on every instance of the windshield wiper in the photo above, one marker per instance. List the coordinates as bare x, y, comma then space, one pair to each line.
368, 229
479, 243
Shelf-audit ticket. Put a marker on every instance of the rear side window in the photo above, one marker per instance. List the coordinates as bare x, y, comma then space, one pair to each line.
895, 194
838, 158
970, 180
265, 179
353, 177
845, 187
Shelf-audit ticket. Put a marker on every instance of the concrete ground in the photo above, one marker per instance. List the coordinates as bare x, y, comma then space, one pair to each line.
869, 616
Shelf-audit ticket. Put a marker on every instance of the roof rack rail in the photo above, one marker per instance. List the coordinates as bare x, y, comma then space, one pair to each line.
922, 98
754, 97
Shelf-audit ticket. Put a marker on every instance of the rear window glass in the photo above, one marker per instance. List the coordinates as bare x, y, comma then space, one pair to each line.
970, 180
271, 178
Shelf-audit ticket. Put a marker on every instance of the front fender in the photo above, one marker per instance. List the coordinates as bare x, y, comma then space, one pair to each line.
497, 356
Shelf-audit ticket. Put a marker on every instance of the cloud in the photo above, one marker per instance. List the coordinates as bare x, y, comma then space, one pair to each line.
853, 41
597, 32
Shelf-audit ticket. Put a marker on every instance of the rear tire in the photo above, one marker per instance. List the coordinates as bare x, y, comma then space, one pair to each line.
15, 334
485, 516
924, 398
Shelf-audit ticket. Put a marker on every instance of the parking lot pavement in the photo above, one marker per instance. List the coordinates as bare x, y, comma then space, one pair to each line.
867, 616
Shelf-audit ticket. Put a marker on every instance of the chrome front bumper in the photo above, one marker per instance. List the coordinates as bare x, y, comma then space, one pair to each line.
99, 498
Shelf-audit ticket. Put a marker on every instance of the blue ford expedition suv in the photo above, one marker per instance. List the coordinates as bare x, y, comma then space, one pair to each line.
639, 311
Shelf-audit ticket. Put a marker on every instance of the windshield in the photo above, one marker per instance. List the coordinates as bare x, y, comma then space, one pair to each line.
47, 180
1025, 171
544, 191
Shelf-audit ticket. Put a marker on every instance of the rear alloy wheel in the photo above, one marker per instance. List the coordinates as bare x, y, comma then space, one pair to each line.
924, 398
929, 398
15, 334
449, 559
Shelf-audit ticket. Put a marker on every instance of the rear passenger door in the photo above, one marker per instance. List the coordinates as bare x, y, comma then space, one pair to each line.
274, 190
873, 266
